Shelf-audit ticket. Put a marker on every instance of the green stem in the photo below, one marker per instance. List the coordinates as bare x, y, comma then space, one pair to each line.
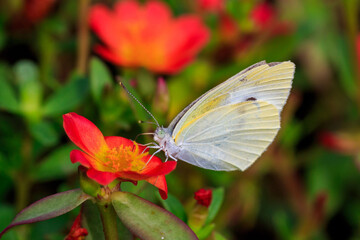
109, 220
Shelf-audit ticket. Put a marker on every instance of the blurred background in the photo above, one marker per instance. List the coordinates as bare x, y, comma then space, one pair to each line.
63, 56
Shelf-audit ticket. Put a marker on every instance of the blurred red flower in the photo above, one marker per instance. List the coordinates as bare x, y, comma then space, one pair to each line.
76, 231
203, 197
108, 158
211, 5
358, 50
147, 36
265, 17
35, 10
262, 15
342, 142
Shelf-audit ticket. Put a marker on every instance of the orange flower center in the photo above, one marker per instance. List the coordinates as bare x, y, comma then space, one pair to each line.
123, 158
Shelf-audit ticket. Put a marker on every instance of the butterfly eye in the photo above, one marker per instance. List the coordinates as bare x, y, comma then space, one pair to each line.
161, 134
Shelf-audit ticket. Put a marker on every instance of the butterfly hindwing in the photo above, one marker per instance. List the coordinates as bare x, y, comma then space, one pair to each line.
230, 137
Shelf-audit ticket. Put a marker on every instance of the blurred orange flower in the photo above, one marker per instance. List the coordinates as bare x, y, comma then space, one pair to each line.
147, 36
108, 158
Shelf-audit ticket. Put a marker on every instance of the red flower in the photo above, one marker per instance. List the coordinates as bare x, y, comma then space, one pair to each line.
358, 50
203, 197
342, 142
35, 10
76, 231
263, 14
108, 158
265, 17
147, 36
211, 5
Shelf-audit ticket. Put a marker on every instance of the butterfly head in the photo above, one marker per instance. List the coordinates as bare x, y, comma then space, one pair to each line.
161, 135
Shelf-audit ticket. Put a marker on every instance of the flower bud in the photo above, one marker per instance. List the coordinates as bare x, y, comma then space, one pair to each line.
200, 211
88, 185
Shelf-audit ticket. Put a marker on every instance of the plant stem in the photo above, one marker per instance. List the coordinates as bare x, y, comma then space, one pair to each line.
83, 37
109, 220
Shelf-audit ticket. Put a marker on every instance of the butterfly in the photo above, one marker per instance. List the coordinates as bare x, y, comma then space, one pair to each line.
231, 125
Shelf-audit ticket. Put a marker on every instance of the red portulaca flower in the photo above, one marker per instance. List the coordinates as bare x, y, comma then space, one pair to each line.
203, 197
147, 36
109, 158
76, 231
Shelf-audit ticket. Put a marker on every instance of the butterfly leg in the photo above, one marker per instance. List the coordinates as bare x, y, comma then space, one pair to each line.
148, 147
172, 157
152, 157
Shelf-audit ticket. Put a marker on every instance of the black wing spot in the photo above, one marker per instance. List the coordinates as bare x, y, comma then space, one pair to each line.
251, 99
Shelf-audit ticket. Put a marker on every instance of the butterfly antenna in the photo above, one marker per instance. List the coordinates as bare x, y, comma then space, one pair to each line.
123, 86
141, 121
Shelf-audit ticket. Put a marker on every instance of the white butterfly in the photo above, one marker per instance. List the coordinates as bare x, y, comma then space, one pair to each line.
231, 125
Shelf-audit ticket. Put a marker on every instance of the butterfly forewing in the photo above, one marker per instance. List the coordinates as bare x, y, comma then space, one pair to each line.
260, 82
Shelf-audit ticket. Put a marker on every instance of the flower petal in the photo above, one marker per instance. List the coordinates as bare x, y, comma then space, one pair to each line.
104, 178
83, 133
104, 23
127, 11
156, 167
160, 183
79, 156
115, 141
108, 54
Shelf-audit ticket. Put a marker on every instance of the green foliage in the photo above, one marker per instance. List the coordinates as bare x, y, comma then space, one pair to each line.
68, 97
99, 78
147, 220
49, 207
173, 205
276, 198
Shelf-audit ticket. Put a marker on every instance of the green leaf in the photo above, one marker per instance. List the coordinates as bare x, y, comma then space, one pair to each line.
148, 221
173, 205
44, 132
56, 165
216, 202
91, 220
68, 97
31, 90
8, 99
99, 78
49, 207
204, 232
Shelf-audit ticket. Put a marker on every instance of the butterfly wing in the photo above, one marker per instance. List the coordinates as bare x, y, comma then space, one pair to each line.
231, 125
262, 82
230, 137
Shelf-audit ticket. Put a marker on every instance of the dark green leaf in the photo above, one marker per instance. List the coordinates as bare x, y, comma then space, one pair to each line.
99, 78
8, 99
216, 202
67, 97
148, 221
55, 166
44, 132
49, 207
90, 219
173, 205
